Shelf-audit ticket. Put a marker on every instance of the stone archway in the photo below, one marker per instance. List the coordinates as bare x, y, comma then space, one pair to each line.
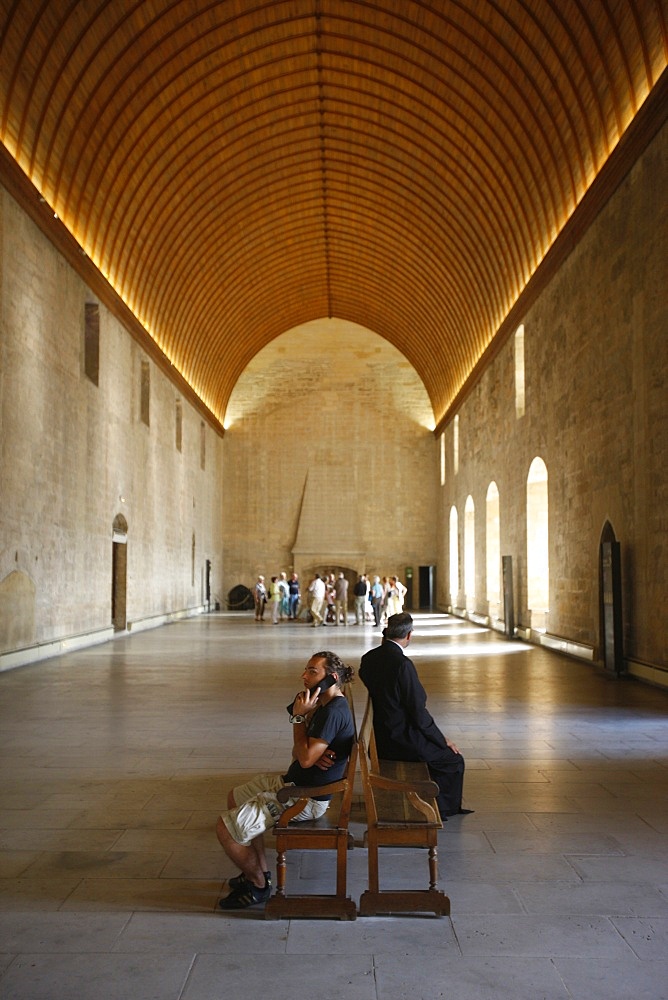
325, 568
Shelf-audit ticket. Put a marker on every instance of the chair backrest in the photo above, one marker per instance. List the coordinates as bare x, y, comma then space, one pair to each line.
418, 790
351, 704
366, 746
367, 733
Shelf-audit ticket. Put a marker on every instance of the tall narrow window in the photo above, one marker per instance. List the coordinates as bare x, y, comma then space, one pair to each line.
145, 394
469, 553
455, 444
454, 557
538, 576
202, 445
519, 371
192, 561
493, 549
92, 342
442, 459
179, 425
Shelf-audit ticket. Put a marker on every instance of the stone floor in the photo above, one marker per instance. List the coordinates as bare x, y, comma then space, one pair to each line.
116, 760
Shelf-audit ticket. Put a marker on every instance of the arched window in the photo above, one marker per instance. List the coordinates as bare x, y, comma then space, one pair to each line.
538, 588
469, 553
493, 548
454, 557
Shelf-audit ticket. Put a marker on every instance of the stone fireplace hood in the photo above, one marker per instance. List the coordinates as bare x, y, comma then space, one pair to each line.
329, 532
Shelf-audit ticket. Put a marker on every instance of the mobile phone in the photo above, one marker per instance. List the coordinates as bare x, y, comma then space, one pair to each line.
327, 682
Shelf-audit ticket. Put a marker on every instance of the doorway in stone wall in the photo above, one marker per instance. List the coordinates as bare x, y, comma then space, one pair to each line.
610, 601
427, 588
119, 572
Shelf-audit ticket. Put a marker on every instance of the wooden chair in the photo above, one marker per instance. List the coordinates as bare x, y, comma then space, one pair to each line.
401, 810
329, 833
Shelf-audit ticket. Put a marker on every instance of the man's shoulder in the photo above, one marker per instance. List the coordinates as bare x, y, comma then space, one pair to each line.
388, 648
387, 653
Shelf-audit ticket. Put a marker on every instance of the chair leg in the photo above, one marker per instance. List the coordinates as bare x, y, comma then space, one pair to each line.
341, 866
372, 847
281, 869
433, 867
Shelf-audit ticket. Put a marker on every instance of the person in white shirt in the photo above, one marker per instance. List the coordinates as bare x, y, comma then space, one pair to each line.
317, 591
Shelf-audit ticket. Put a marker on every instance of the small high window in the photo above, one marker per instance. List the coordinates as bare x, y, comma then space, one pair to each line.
202, 445
179, 425
145, 394
92, 342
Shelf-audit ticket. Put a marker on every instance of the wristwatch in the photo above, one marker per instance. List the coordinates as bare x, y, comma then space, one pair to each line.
294, 719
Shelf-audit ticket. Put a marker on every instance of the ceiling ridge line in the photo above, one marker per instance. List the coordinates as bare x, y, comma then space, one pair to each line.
323, 151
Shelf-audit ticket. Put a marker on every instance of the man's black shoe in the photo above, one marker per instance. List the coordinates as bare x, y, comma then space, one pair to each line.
245, 896
237, 881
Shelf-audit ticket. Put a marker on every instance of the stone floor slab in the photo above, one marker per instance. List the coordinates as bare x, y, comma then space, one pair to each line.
327, 977
90, 977
436, 977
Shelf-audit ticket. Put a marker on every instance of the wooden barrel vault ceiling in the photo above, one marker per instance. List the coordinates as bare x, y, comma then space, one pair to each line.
237, 168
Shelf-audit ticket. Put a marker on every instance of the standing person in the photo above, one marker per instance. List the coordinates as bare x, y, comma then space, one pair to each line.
341, 599
285, 595
401, 590
293, 587
274, 599
330, 598
386, 596
260, 598
317, 591
403, 727
376, 600
360, 590
390, 599
322, 738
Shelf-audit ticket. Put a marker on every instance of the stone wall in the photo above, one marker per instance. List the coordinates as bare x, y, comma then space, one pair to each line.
330, 460
596, 368
72, 449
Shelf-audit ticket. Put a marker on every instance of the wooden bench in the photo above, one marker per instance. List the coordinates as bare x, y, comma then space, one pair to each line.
401, 810
329, 833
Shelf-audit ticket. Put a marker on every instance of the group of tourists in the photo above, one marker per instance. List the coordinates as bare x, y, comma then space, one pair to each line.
282, 595
323, 733
325, 600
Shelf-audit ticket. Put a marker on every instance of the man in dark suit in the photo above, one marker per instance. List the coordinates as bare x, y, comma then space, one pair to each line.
403, 727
